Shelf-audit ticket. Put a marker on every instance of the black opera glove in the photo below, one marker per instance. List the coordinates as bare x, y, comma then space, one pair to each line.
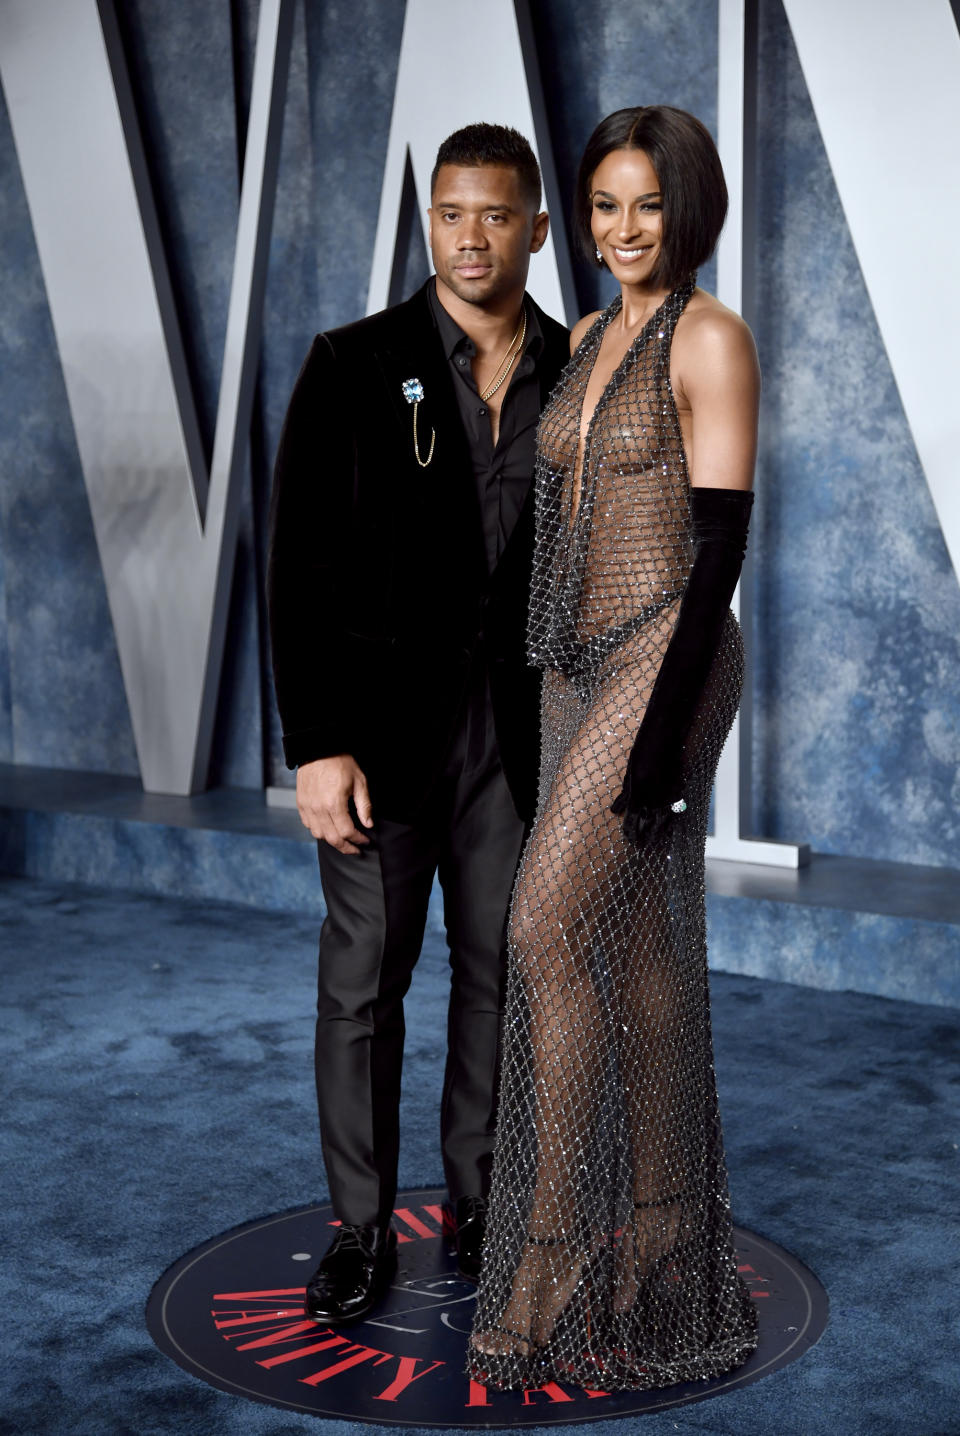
653, 784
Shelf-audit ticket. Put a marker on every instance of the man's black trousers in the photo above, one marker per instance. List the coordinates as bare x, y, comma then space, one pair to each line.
469, 834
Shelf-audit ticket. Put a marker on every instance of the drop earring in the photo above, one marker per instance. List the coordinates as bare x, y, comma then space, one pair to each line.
599, 257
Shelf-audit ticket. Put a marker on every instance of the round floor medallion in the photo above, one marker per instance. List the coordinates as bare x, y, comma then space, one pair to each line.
231, 1314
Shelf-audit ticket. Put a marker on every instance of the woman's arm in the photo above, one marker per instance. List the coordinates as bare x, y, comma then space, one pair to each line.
716, 383
718, 379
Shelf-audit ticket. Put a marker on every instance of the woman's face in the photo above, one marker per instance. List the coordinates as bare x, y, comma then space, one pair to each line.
627, 214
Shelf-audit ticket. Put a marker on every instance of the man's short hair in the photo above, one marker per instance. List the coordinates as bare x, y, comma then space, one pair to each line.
481, 144
685, 160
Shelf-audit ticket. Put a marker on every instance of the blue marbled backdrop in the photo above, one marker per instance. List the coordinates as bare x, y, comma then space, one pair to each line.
858, 610
858, 607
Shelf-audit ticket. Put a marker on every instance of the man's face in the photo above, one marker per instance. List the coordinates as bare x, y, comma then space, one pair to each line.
483, 230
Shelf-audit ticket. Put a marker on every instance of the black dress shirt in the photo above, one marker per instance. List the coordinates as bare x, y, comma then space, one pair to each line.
502, 472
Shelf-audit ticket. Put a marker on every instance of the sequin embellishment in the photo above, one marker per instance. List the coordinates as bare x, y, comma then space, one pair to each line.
609, 1260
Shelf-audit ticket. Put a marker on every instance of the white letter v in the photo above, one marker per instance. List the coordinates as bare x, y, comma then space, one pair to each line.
166, 540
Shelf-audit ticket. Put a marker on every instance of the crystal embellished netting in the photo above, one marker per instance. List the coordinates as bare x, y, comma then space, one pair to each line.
609, 1261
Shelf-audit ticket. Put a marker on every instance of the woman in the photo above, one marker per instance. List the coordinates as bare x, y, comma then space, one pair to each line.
608, 1258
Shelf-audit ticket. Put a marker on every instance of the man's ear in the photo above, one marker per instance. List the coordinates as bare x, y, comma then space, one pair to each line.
430, 227
541, 225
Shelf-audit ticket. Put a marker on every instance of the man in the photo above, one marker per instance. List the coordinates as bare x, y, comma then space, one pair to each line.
402, 530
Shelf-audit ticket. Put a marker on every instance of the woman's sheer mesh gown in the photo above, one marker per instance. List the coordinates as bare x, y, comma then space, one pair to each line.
608, 1260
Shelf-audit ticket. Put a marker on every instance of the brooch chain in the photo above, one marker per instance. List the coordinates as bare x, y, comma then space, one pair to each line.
413, 392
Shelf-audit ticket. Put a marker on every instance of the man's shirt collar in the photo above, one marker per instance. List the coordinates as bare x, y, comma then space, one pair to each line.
455, 341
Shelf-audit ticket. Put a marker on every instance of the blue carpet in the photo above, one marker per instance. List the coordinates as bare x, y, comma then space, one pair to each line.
157, 1073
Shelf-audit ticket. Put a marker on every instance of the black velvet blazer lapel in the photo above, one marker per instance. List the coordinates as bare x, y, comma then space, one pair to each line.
411, 349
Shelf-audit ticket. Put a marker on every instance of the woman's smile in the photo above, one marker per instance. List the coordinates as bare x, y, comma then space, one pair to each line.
627, 256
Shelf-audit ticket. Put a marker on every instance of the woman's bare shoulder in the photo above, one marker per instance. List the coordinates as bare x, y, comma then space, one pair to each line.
581, 327
710, 331
712, 345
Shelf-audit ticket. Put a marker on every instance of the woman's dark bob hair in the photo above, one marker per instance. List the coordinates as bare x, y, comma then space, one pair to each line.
693, 190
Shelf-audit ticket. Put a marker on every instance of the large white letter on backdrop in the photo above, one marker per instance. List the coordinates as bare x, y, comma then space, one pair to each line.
458, 65
165, 529
884, 80
885, 87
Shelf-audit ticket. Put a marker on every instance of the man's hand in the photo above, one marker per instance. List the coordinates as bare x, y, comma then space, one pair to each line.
324, 788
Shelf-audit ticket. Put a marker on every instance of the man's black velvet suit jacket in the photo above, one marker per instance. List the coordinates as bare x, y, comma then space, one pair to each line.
378, 589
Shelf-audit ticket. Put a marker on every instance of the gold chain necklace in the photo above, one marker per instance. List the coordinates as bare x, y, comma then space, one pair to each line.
506, 363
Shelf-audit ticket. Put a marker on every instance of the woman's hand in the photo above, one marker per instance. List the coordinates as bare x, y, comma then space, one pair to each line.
646, 805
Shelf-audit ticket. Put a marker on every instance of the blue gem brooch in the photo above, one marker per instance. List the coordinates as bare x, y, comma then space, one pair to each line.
413, 393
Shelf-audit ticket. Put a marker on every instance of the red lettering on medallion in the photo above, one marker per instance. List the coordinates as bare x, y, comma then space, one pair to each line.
309, 1350
414, 1223
479, 1395
251, 1318
752, 1278
593, 1394
439, 1216
277, 1338
551, 1390
407, 1374
258, 1295
360, 1354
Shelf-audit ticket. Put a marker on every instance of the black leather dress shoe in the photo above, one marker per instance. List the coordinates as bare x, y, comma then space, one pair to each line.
470, 1222
353, 1275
